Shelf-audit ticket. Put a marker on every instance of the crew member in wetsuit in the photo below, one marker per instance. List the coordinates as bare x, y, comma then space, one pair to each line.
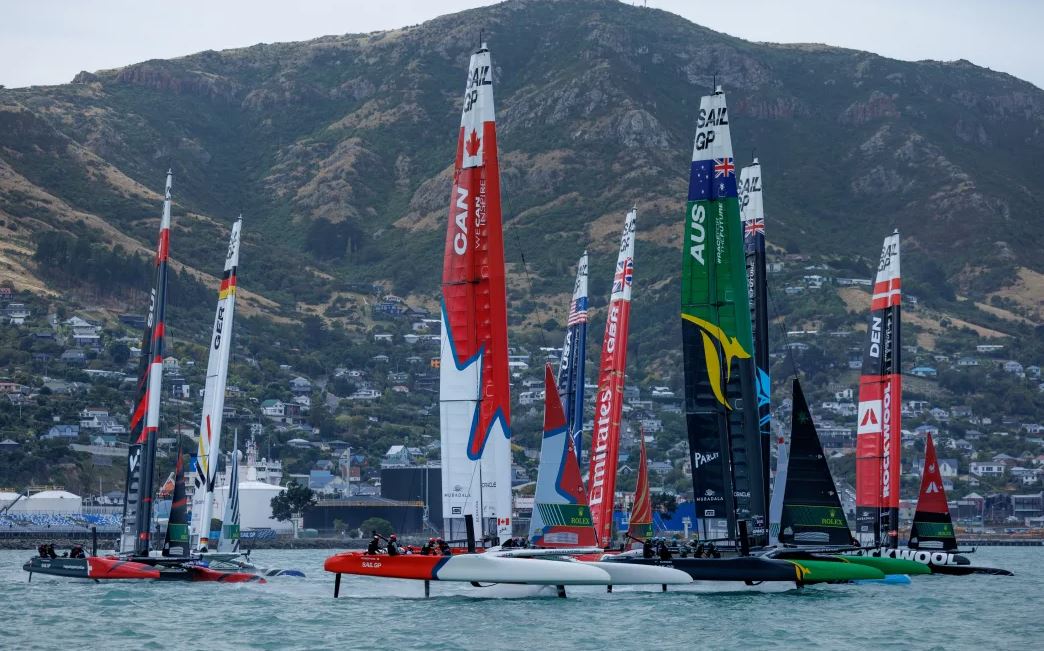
444, 548
393, 546
50, 551
664, 550
77, 552
509, 543
375, 545
712, 551
428, 548
647, 548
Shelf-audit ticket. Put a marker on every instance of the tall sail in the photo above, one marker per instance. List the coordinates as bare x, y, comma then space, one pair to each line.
561, 516
605, 440
474, 389
812, 513
574, 355
932, 527
144, 421
176, 542
720, 392
214, 397
752, 213
880, 403
229, 540
640, 525
779, 485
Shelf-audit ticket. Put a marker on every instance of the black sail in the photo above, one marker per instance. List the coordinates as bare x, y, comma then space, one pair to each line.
812, 513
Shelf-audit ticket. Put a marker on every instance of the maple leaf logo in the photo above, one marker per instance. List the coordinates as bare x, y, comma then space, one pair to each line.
471, 145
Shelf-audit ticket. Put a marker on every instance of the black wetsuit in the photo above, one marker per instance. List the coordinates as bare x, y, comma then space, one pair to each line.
375, 546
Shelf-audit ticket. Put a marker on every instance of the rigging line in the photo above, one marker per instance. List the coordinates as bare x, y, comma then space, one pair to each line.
781, 323
529, 282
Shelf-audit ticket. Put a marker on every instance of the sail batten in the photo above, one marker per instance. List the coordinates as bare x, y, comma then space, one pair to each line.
605, 439
878, 423
720, 393
474, 390
135, 537
209, 450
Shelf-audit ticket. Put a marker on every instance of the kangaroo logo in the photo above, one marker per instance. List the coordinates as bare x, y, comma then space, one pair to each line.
730, 349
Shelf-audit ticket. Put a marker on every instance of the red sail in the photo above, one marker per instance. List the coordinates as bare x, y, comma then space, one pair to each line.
474, 381
880, 399
640, 526
932, 527
605, 440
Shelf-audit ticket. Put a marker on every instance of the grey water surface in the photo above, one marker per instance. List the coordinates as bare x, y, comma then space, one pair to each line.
934, 612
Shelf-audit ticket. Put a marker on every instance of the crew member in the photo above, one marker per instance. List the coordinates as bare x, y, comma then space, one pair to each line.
393, 546
664, 550
647, 548
428, 548
444, 547
375, 545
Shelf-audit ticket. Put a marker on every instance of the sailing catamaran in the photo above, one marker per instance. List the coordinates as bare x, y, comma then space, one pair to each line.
574, 357
134, 560
474, 388
214, 397
725, 439
605, 439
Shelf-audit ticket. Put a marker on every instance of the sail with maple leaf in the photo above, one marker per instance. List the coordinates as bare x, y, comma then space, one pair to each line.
878, 430
214, 396
474, 389
932, 526
720, 391
574, 355
561, 516
812, 512
605, 439
144, 421
640, 524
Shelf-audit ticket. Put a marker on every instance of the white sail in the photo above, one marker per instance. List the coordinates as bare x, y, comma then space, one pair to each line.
214, 397
229, 541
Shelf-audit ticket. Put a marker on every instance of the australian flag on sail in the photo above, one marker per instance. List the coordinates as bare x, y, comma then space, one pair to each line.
577, 312
712, 179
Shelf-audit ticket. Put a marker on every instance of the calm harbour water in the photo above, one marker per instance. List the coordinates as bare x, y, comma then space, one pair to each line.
935, 612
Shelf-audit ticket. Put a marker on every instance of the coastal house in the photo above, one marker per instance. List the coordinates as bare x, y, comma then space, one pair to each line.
73, 356
300, 385
62, 432
1013, 367
273, 408
924, 371
986, 469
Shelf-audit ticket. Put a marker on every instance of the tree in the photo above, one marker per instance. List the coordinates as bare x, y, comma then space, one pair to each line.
119, 352
380, 525
665, 503
292, 502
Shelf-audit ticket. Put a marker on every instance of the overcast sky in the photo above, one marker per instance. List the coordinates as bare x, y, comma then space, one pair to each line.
49, 41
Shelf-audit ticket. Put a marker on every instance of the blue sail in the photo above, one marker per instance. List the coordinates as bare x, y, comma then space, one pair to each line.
570, 380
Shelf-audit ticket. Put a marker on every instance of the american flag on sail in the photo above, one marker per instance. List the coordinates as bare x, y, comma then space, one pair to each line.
577, 312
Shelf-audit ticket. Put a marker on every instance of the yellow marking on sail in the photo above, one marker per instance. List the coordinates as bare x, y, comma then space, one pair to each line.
730, 348
225, 293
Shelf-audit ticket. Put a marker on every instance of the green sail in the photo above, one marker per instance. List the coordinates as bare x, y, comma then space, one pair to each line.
720, 393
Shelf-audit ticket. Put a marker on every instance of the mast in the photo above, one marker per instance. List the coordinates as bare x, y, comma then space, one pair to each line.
812, 512
720, 393
932, 526
214, 396
561, 516
640, 525
605, 440
574, 356
144, 420
880, 403
474, 390
176, 541
779, 486
752, 213
229, 540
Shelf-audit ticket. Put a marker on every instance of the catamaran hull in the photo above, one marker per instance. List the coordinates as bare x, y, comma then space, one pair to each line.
471, 568
633, 574
95, 567
753, 569
937, 561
